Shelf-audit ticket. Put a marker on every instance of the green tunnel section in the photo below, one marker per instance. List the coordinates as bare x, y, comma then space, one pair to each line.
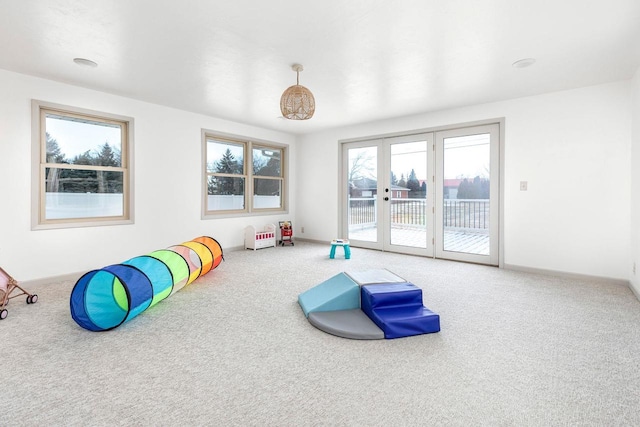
106, 298
176, 264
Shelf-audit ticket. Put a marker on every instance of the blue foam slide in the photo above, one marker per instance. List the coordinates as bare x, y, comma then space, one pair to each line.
397, 309
339, 292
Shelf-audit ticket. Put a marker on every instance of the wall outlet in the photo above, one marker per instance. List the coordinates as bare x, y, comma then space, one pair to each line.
523, 185
302, 232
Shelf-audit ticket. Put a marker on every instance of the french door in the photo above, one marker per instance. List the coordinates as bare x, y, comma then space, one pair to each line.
433, 194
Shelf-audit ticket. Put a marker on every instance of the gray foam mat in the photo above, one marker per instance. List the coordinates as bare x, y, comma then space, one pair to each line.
353, 324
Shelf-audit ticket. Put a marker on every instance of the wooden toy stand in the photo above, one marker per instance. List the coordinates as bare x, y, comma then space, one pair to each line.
9, 289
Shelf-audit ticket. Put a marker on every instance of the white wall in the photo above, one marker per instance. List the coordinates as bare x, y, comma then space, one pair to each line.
572, 147
635, 185
167, 183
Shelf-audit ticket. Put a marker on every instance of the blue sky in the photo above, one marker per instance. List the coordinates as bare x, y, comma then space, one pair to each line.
76, 137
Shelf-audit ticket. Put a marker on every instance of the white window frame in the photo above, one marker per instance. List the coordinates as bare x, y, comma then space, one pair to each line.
39, 164
249, 145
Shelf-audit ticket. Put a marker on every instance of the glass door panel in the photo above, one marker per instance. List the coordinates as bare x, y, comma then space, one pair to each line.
466, 193
408, 219
467, 205
362, 193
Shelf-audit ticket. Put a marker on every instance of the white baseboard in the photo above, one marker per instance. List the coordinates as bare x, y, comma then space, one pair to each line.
567, 275
635, 290
301, 239
52, 279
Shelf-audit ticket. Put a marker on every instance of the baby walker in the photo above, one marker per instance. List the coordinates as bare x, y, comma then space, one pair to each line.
286, 233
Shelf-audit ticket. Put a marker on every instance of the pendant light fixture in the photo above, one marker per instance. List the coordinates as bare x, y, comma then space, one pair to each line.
297, 102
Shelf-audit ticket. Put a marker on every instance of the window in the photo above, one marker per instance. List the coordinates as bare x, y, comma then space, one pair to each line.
237, 168
226, 175
268, 180
83, 168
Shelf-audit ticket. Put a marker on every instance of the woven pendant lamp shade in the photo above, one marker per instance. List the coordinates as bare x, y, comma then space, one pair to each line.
297, 102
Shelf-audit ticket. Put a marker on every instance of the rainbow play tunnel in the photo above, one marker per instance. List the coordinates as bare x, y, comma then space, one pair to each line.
106, 298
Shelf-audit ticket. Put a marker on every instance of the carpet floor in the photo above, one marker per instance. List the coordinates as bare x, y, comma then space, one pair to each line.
234, 348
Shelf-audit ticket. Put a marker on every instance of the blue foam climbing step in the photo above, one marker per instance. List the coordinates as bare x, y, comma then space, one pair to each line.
397, 309
391, 295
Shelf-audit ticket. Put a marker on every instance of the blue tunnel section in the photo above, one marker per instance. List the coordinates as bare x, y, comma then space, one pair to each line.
93, 305
157, 272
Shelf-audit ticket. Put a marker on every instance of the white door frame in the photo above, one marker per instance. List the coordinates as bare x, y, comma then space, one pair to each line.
344, 193
496, 187
494, 198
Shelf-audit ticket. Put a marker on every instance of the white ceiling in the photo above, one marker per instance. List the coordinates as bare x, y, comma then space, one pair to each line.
364, 60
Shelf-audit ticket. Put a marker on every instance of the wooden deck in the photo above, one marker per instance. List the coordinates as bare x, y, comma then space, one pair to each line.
455, 239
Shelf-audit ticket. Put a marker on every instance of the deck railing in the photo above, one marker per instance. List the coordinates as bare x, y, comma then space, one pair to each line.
362, 212
466, 213
409, 212
457, 213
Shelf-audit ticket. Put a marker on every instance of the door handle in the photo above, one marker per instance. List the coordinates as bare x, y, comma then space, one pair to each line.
386, 199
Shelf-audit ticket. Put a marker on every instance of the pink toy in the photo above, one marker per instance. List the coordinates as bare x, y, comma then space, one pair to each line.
7, 286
